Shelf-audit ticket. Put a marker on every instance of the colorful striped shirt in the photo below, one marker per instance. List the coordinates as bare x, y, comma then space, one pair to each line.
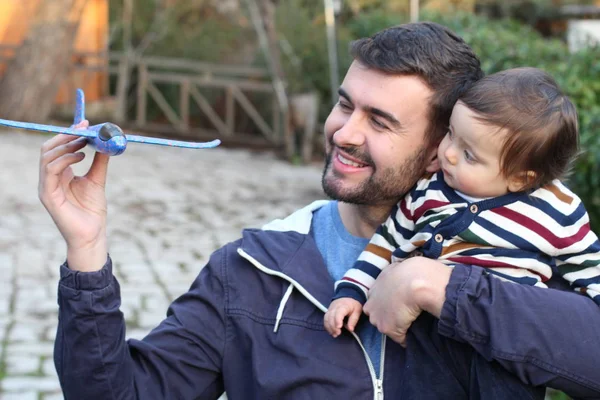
523, 237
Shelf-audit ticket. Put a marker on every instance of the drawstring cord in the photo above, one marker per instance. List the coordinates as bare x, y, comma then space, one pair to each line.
282, 304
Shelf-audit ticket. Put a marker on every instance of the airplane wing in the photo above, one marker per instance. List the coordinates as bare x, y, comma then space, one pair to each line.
48, 128
173, 143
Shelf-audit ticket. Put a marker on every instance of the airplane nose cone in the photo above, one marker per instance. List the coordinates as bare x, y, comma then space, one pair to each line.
108, 131
120, 144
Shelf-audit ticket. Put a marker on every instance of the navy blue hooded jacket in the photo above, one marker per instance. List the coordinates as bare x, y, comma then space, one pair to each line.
252, 324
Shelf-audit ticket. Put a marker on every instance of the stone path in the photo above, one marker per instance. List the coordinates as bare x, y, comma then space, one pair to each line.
168, 210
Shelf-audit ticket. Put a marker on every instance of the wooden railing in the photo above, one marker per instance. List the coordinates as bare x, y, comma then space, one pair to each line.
192, 78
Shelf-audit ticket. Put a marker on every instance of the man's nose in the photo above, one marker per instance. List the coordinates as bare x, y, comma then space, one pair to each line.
350, 134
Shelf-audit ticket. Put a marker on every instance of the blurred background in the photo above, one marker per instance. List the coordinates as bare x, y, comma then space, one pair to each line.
257, 74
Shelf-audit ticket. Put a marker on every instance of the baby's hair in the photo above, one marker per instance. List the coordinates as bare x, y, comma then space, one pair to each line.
539, 120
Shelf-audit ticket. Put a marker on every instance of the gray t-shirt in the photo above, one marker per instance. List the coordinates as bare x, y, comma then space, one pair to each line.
340, 250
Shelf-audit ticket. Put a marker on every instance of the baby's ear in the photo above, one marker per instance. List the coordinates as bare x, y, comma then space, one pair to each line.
517, 182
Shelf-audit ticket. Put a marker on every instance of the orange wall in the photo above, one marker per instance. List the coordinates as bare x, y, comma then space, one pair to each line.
91, 37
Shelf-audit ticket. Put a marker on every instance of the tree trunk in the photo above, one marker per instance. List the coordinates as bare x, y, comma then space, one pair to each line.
262, 13
33, 77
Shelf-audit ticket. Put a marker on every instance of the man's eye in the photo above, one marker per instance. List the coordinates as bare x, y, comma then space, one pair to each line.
344, 106
378, 124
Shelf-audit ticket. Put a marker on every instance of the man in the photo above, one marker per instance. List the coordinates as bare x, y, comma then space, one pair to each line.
252, 322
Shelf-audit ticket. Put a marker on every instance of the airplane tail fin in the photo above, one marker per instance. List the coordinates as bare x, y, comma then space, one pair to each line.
79, 107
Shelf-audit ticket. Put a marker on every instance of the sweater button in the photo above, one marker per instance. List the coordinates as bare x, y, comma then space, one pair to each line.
439, 238
474, 208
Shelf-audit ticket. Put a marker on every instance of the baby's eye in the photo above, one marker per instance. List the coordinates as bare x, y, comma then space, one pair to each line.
469, 156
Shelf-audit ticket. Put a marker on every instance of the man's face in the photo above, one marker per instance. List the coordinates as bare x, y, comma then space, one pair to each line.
375, 137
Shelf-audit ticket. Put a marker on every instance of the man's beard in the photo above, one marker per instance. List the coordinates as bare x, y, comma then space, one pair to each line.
381, 188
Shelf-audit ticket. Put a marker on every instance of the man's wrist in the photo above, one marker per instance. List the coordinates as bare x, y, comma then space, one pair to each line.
88, 258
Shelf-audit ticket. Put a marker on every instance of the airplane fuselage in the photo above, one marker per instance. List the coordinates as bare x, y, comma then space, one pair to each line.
110, 139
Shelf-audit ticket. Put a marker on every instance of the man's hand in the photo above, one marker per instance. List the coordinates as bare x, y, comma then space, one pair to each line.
402, 291
77, 204
338, 310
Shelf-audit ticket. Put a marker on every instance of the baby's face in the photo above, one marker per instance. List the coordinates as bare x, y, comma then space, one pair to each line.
469, 155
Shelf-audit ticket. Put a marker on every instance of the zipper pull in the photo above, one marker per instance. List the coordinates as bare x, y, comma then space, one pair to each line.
379, 389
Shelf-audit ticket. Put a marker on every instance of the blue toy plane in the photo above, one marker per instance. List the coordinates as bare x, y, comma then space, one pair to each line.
106, 138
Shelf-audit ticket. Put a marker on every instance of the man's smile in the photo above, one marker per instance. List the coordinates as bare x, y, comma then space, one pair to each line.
346, 163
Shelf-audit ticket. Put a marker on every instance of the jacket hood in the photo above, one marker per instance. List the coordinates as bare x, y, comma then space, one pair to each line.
285, 248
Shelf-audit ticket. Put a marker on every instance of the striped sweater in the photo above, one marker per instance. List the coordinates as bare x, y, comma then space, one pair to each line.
521, 237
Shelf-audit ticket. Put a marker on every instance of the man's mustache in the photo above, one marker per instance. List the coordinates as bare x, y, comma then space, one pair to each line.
354, 152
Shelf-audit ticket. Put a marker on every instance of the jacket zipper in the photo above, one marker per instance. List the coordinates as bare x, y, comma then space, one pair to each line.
377, 383
381, 364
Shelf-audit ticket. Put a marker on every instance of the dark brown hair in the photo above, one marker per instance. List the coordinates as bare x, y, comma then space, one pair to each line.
432, 52
539, 120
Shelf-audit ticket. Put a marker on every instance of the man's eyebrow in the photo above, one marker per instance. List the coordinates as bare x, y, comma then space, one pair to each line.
375, 111
344, 94
385, 115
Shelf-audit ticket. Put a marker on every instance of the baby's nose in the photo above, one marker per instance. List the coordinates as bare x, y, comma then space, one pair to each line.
450, 156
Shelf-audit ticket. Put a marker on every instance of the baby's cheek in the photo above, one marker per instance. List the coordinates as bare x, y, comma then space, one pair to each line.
467, 184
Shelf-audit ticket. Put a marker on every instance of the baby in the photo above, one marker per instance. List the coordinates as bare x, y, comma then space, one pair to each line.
496, 201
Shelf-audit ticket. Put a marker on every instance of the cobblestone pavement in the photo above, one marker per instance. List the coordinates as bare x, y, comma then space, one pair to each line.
168, 210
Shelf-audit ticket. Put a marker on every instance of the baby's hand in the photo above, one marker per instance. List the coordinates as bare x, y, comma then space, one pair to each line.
340, 309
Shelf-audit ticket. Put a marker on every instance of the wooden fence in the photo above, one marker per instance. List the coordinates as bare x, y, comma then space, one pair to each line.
191, 79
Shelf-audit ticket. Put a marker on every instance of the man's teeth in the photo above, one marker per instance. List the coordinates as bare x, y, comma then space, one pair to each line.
348, 162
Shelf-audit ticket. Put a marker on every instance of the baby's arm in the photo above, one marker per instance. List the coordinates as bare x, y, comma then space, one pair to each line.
352, 290
579, 261
376, 256
582, 270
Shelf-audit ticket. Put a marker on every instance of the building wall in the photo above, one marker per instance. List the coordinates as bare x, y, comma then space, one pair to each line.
582, 33
92, 38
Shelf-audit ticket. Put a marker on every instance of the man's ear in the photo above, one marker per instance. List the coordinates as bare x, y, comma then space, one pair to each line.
519, 181
433, 164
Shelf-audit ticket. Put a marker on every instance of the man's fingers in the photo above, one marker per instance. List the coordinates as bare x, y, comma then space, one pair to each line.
50, 170
373, 321
367, 309
56, 141
82, 125
99, 168
51, 173
58, 166
401, 339
70, 146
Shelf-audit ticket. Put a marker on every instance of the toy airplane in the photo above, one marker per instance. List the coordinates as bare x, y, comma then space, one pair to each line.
106, 138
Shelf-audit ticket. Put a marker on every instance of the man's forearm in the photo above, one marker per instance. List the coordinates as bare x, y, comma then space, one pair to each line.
544, 336
91, 337
180, 357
